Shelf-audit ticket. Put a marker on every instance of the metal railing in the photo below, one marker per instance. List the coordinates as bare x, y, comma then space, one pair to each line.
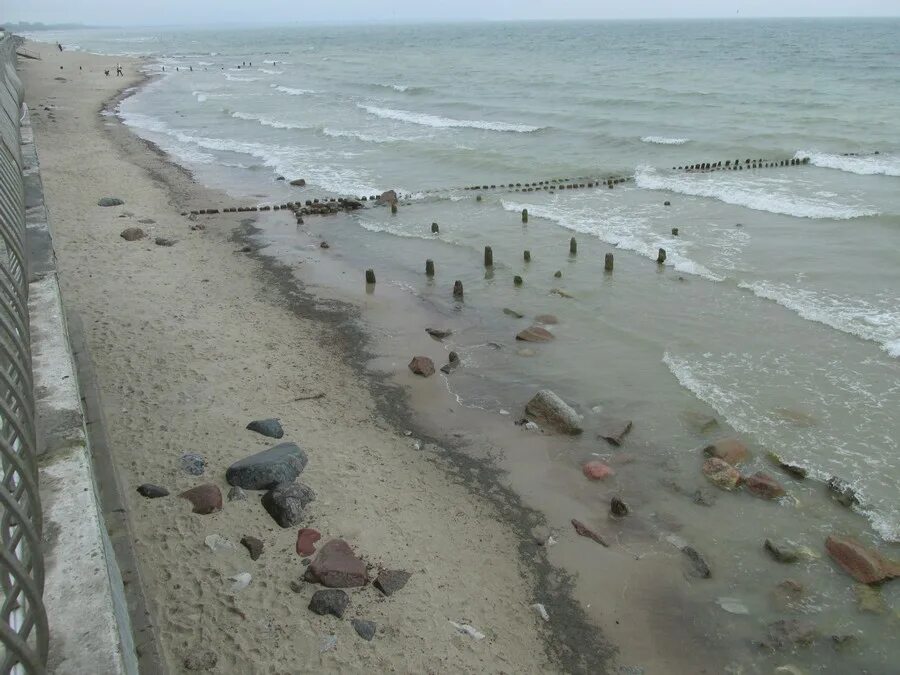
24, 632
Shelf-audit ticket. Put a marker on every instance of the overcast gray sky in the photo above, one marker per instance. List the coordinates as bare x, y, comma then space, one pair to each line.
172, 12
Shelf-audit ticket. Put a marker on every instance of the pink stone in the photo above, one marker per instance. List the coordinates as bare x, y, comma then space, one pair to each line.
306, 541
337, 566
422, 365
597, 470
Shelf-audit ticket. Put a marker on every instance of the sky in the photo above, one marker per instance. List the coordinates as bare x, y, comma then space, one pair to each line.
211, 12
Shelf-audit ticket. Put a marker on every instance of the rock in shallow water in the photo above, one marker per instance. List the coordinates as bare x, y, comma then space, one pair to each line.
788, 633
535, 334
329, 601
109, 201
422, 365
337, 566
763, 485
548, 409
783, 553
864, 565
721, 474
279, 464
285, 502
613, 431
842, 492
596, 470
730, 450
268, 427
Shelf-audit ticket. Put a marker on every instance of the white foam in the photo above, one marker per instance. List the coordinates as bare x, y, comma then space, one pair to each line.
749, 190
271, 72
291, 91
341, 133
623, 229
864, 165
235, 78
855, 316
663, 140
444, 122
269, 122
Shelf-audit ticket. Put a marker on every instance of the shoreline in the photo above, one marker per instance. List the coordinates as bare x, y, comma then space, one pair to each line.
572, 642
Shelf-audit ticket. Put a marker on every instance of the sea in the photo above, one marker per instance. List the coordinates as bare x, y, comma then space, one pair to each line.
776, 311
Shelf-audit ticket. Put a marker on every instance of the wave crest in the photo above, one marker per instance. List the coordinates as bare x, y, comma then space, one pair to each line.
445, 122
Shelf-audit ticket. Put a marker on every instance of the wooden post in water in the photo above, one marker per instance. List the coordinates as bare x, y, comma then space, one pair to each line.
527, 256
429, 268
370, 276
435, 229
661, 257
394, 208
477, 198
608, 262
674, 231
517, 280
524, 215
457, 289
573, 246
488, 257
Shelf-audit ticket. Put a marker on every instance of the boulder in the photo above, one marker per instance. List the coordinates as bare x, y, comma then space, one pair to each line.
268, 427
285, 502
336, 566
783, 553
151, 491
298, 182
390, 581
109, 201
306, 541
364, 628
422, 365
132, 234
253, 545
721, 474
729, 449
388, 197
596, 470
329, 601
535, 334
864, 565
549, 410
613, 431
205, 499
281, 463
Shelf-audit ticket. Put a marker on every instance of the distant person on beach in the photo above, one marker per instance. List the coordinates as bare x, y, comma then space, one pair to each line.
119, 72
106, 72
59, 46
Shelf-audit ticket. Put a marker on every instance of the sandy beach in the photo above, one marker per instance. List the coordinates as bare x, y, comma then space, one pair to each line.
190, 343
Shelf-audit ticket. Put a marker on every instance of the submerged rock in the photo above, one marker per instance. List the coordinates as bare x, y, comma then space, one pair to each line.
548, 409
584, 531
329, 601
109, 201
794, 470
613, 431
439, 333
721, 474
730, 450
618, 508
868, 599
863, 564
699, 422
336, 566
513, 313
285, 502
842, 492
546, 319
763, 485
268, 427
281, 463
783, 553
132, 234
699, 566
535, 334
596, 470
788, 633
422, 365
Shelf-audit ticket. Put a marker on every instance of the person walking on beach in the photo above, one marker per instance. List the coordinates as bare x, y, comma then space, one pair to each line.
106, 72
59, 46
119, 72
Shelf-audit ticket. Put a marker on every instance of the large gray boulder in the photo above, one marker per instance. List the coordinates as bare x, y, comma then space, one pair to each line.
281, 463
549, 410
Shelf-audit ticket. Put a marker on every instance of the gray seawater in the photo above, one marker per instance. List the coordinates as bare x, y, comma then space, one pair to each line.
778, 308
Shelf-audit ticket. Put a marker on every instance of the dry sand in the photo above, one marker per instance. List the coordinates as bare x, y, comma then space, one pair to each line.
190, 343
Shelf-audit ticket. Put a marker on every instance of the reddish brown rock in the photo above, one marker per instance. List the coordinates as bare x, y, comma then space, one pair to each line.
597, 470
336, 566
535, 334
585, 531
763, 485
206, 498
721, 473
730, 450
422, 365
306, 541
863, 564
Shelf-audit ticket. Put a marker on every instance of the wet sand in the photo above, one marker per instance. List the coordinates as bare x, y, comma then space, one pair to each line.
190, 343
